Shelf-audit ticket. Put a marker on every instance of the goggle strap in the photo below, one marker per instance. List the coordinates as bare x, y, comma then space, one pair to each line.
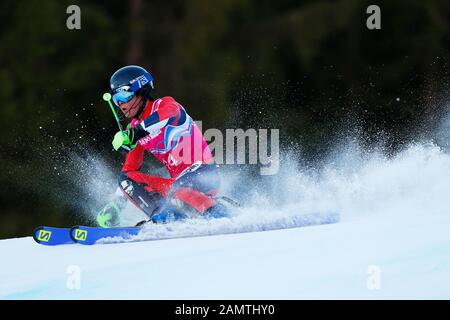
141, 81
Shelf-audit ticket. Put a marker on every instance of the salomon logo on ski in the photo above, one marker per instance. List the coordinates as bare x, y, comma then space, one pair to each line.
51, 236
80, 235
44, 235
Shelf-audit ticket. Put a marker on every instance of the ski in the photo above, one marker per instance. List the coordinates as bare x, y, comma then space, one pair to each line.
90, 235
86, 235
52, 236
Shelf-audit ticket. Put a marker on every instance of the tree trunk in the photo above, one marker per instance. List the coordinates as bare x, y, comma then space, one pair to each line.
134, 53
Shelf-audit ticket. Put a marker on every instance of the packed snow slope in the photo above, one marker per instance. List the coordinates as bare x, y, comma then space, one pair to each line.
392, 241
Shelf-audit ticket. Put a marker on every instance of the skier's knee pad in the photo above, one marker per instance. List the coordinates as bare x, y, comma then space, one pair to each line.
125, 183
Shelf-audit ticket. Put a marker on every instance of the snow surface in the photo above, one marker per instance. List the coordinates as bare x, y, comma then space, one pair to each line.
392, 241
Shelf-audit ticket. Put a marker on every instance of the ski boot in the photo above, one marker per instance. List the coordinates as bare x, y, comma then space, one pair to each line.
166, 215
217, 211
163, 216
178, 212
222, 208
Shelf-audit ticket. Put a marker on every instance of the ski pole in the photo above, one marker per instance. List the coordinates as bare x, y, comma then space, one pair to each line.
107, 98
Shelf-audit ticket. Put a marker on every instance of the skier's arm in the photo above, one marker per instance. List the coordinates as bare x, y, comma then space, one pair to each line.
134, 159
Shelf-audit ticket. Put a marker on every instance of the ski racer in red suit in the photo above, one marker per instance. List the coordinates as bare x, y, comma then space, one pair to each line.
163, 128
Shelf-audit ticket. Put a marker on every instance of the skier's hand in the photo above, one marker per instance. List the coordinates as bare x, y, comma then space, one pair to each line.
124, 140
109, 216
127, 139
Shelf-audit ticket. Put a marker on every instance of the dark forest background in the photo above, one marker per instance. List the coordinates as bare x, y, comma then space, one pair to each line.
310, 68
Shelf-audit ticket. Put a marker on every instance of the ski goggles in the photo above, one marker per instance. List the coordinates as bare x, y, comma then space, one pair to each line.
122, 94
126, 92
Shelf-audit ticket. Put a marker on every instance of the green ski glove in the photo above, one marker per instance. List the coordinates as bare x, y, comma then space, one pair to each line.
109, 216
124, 139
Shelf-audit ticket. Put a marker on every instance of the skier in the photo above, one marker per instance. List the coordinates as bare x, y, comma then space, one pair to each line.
163, 128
